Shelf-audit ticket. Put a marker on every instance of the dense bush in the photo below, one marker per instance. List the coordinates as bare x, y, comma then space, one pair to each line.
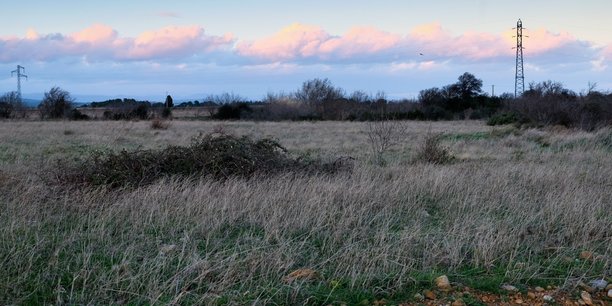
11, 105
75, 114
233, 111
166, 112
6, 110
549, 103
138, 110
218, 156
461, 100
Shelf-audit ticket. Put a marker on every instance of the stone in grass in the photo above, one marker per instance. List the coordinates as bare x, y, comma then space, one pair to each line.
598, 284
458, 302
419, 297
302, 274
443, 283
430, 295
548, 298
539, 289
610, 293
586, 297
167, 248
509, 288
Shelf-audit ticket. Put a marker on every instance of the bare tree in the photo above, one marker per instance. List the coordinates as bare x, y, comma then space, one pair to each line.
57, 103
318, 91
319, 95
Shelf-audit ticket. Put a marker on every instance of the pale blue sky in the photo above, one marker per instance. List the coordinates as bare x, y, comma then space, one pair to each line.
249, 19
580, 58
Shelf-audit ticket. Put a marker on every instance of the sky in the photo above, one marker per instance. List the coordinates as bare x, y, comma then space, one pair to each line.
190, 49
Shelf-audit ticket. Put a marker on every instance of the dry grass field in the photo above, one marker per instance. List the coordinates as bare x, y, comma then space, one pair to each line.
514, 206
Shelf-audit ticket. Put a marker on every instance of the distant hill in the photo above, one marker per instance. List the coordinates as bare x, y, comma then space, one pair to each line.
36, 102
31, 102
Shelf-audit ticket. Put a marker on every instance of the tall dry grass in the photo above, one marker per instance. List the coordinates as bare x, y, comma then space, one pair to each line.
515, 206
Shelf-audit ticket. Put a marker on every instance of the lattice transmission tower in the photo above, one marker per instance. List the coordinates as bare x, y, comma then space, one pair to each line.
19, 76
519, 78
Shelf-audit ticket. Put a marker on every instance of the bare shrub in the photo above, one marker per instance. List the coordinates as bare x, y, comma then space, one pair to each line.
159, 124
432, 151
383, 135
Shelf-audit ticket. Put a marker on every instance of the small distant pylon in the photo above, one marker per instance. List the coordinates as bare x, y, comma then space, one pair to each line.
519, 78
19, 76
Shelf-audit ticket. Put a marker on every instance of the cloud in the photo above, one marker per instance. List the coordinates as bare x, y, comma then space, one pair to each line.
603, 60
96, 34
300, 42
359, 41
541, 40
607, 52
292, 42
303, 44
171, 42
101, 42
434, 41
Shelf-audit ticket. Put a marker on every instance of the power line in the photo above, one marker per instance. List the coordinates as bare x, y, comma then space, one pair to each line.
19, 76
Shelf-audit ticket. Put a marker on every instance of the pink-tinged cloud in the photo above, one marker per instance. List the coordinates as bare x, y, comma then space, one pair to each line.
360, 40
434, 41
298, 42
429, 32
541, 40
171, 42
98, 33
305, 43
302, 42
294, 41
101, 42
607, 52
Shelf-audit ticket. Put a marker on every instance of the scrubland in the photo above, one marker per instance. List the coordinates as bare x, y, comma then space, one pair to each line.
514, 206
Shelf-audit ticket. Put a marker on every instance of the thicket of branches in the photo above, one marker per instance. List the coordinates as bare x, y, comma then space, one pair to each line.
549, 103
218, 155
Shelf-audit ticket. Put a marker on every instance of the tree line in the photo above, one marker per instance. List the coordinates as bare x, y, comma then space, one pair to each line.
544, 103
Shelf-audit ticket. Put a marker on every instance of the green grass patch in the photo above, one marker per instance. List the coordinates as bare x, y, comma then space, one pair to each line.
495, 133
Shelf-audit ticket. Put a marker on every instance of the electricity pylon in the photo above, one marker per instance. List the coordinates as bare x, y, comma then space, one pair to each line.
19, 76
519, 78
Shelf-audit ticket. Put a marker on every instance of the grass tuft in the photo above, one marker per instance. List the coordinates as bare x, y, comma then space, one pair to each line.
432, 151
159, 124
